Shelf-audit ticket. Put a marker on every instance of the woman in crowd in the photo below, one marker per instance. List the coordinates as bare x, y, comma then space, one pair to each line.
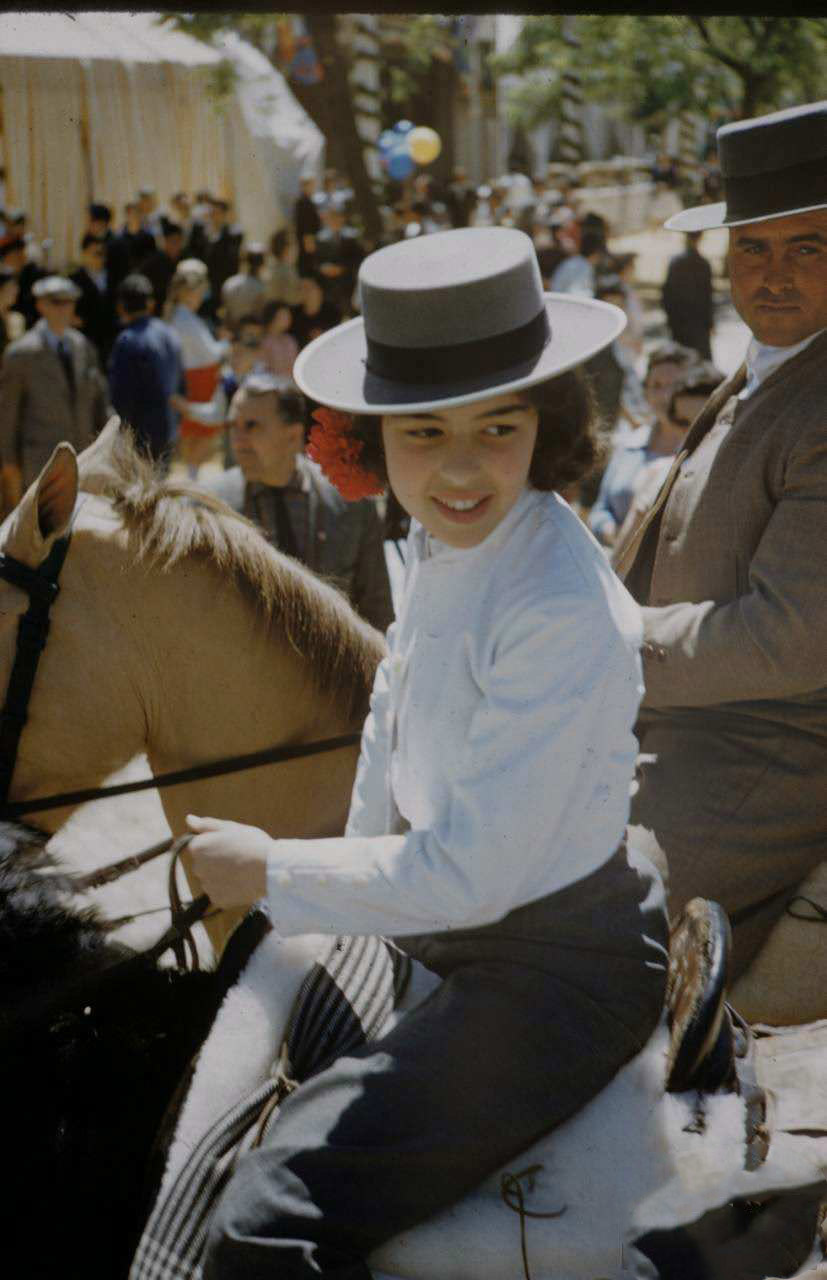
202, 355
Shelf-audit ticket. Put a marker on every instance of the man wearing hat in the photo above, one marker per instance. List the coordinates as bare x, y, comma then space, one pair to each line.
51, 389
728, 563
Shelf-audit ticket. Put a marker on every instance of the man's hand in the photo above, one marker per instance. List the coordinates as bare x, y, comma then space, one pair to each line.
230, 860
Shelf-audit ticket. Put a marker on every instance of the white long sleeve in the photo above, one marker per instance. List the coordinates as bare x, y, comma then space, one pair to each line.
512, 690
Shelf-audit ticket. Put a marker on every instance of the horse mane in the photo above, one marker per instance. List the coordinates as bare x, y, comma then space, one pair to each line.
172, 520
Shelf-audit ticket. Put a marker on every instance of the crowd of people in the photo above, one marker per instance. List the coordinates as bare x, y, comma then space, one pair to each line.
166, 314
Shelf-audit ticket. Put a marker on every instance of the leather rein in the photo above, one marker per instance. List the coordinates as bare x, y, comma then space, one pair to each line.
42, 587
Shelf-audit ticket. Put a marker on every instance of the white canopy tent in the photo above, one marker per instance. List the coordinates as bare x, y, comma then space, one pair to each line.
96, 105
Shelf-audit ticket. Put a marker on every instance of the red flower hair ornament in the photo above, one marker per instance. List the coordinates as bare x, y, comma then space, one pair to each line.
333, 445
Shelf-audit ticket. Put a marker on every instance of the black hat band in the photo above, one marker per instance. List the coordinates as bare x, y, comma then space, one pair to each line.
760, 195
427, 366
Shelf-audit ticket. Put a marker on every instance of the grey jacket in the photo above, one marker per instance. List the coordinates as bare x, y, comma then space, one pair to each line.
730, 566
37, 410
339, 540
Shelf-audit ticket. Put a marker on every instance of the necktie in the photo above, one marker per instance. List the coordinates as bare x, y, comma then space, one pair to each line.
63, 350
285, 538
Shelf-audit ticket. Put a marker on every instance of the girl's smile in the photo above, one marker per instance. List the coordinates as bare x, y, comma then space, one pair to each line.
459, 471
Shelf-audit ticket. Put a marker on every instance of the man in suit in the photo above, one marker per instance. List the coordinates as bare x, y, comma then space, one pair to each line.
95, 308
338, 256
222, 252
299, 511
729, 564
159, 267
51, 389
146, 371
131, 246
687, 298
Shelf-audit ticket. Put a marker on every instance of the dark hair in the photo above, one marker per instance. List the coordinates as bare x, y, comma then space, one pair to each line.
90, 238
567, 446
669, 353
700, 379
292, 406
591, 242
279, 242
100, 213
11, 245
170, 228
620, 261
134, 293
269, 310
6, 275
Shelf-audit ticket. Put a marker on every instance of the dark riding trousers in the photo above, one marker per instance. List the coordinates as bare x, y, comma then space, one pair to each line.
406, 1125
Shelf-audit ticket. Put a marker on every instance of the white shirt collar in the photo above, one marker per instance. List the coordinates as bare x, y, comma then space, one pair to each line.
52, 338
762, 360
430, 548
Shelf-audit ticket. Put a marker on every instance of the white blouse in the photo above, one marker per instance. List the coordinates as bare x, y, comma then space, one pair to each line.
499, 750
198, 346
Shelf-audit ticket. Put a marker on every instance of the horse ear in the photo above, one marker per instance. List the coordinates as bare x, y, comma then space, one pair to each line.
57, 491
95, 463
45, 509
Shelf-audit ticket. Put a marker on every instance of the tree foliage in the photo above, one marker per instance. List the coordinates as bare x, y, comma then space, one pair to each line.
655, 66
414, 44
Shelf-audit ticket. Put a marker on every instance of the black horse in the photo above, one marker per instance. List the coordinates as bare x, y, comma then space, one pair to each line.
96, 1043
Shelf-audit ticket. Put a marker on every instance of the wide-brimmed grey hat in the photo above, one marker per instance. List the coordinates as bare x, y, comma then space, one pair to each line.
450, 318
55, 287
771, 166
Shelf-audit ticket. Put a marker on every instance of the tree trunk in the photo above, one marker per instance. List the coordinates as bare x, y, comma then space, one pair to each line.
332, 100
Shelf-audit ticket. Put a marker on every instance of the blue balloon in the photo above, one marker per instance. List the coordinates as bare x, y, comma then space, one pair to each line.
388, 140
400, 164
402, 127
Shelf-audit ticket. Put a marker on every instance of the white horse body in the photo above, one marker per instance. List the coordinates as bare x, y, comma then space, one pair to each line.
629, 1162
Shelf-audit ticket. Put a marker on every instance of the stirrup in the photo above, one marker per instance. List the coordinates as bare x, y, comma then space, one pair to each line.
702, 1043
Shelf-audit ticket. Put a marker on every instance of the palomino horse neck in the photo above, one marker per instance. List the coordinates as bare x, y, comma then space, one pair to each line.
180, 633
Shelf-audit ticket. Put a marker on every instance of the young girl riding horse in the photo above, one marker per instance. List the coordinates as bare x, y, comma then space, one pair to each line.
486, 826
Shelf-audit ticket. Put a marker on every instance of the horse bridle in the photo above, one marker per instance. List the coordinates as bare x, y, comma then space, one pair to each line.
41, 585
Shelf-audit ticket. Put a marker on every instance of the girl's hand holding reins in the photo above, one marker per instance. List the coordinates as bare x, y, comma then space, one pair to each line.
230, 860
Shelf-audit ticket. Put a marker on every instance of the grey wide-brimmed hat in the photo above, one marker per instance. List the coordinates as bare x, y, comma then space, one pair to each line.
450, 318
771, 166
55, 287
